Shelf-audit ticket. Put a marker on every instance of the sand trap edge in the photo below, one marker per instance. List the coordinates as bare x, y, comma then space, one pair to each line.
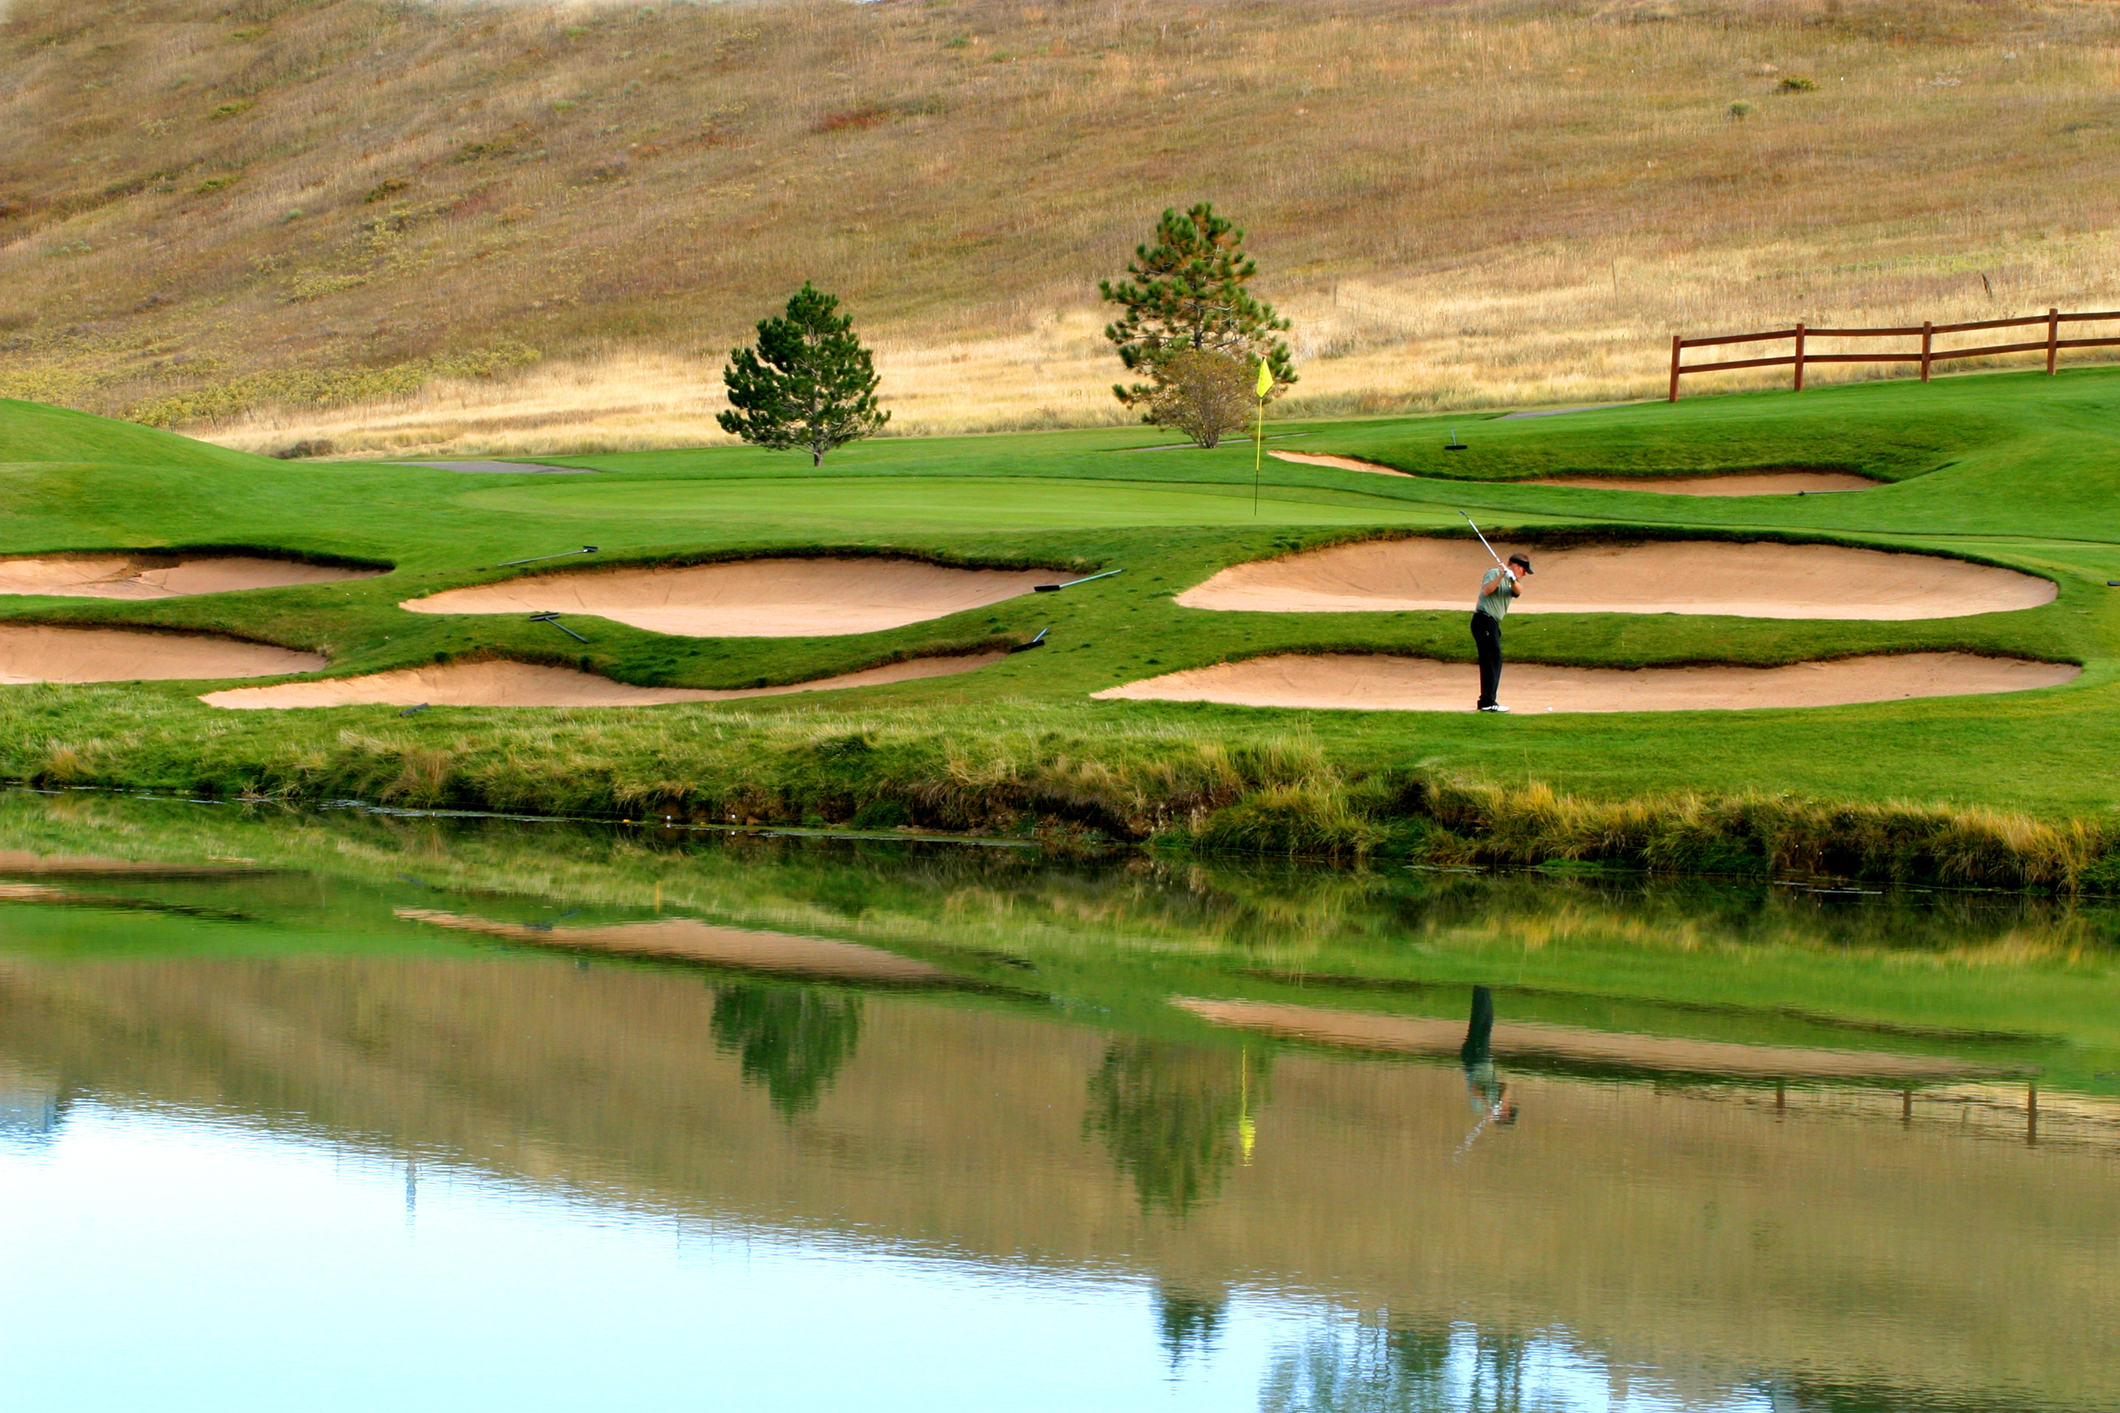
1396, 682
130, 574
504, 682
170, 655
841, 593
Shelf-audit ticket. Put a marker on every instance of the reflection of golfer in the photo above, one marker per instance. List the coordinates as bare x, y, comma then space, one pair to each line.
1496, 589
1483, 1087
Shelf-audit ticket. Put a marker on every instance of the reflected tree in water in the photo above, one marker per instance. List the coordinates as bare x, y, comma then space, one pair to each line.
1172, 1117
790, 1039
1371, 1370
1189, 1321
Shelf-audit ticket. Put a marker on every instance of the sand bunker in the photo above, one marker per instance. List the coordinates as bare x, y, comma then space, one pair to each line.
683, 939
501, 683
1756, 580
161, 576
1735, 483
1344, 463
1354, 682
752, 598
1362, 1030
36, 652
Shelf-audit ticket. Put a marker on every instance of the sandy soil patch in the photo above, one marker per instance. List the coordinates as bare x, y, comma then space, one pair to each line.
1735, 483
1344, 463
1535, 1040
683, 939
37, 652
1758, 580
161, 576
1357, 682
501, 683
753, 598
503, 468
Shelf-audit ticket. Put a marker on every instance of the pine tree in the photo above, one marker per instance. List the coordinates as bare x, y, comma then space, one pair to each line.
1187, 293
809, 383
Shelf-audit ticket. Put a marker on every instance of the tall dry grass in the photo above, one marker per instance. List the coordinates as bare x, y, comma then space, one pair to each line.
1460, 204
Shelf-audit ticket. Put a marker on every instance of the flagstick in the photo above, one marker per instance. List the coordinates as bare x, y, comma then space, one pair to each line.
1258, 446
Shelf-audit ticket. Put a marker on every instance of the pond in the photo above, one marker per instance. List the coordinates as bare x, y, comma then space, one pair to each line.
351, 1109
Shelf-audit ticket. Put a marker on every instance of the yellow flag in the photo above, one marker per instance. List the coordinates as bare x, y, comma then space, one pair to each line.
1265, 378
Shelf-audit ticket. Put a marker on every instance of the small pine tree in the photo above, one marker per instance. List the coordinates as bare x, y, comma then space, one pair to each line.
809, 383
1187, 293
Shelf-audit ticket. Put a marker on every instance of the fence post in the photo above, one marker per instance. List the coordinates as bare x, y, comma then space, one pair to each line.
1928, 334
2053, 338
1799, 358
1676, 344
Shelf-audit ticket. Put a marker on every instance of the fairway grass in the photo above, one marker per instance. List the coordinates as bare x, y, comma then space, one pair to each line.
2017, 471
917, 504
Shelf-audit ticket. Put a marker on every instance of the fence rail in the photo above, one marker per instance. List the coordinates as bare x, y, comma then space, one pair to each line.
1927, 355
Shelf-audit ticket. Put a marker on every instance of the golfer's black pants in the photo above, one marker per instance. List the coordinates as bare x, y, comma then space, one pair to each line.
1487, 637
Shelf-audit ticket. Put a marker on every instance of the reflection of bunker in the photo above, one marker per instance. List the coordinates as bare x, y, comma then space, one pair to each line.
162, 576
1377, 682
740, 948
1755, 580
36, 652
752, 598
1570, 1045
503, 683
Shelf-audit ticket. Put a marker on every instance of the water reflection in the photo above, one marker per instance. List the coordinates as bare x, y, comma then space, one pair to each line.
1766, 1182
791, 1040
30, 1112
1173, 1117
1188, 1322
1490, 1097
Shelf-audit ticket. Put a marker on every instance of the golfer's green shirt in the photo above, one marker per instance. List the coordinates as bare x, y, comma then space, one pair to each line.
1494, 595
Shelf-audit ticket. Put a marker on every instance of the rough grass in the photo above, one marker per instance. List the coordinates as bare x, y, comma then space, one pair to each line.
1461, 204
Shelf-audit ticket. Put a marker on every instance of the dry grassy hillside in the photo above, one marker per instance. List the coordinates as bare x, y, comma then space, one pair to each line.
531, 227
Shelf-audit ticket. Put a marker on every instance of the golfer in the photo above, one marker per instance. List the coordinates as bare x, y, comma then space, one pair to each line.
1496, 589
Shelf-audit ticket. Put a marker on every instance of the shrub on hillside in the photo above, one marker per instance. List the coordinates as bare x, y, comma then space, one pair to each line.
321, 446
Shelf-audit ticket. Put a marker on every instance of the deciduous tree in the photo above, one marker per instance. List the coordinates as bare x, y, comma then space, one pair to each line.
1204, 394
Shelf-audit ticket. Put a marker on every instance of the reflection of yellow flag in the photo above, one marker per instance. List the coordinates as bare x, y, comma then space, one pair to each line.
1265, 378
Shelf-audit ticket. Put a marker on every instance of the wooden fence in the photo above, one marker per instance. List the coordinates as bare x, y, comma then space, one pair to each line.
1927, 355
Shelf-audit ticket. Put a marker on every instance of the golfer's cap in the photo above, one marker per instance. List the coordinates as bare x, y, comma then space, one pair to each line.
1519, 559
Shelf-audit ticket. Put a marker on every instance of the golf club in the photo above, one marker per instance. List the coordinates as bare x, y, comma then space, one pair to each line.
1489, 548
585, 549
553, 619
1056, 588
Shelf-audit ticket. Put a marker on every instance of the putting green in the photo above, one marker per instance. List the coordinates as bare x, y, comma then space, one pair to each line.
870, 503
